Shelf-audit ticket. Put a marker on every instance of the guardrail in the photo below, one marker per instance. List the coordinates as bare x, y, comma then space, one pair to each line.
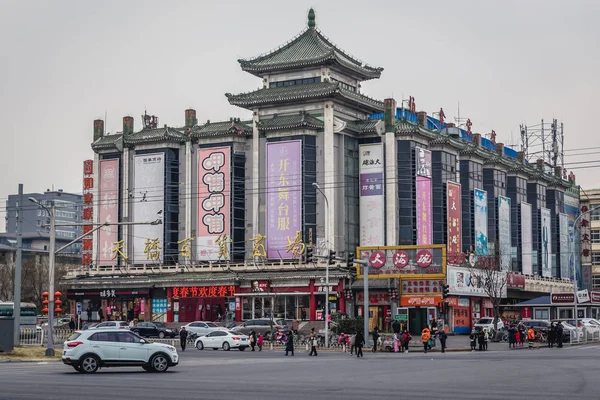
39, 337
588, 336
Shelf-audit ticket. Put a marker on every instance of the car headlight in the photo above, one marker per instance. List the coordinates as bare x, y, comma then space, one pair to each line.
171, 348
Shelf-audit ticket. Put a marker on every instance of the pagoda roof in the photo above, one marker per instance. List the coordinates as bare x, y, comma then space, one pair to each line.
108, 142
294, 121
362, 126
309, 48
222, 128
154, 135
322, 90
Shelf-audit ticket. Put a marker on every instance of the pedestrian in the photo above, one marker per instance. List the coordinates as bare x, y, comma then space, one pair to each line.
551, 335
72, 324
359, 342
348, 343
295, 325
303, 314
260, 341
183, 335
559, 334
473, 338
480, 339
89, 313
425, 336
313, 343
485, 339
522, 333
289, 344
100, 314
442, 336
512, 336
252, 339
396, 327
406, 338
530, 337
434, 325
342, 342
375, 339
517, 337
396, 339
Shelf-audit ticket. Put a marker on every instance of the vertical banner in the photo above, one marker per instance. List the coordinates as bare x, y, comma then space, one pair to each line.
481, 222
108, 210
87, 243
423, 160
214, 202
504, 240
526, 240
284, 196
572, 210
423, 196
148, 205
563, 231
545, 242
372, 220
453, 211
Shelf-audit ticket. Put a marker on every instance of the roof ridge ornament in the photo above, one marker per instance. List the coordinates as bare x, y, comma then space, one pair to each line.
311, 19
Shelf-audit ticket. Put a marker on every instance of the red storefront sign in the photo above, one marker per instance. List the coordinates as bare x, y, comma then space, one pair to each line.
203, 291
424, 286
375, 298
595, 297
526, 312
515, 281
562, 298
419, 301
260, 286
88, 211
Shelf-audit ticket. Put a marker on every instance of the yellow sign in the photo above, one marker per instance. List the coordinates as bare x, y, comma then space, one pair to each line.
222, 241
296, 247
258, 248
152, 249
118, 250
186, 249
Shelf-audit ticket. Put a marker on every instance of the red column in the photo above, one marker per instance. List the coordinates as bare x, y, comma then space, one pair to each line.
238, 309
313, 302
169, 304
343, 297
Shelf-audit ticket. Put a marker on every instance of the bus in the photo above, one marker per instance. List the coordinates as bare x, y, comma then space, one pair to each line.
28, 316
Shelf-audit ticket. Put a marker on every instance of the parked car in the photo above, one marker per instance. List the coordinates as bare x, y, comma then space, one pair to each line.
591, 327
488, 324
150, 329
203, 328
261, 325
569, 330
87, 351
538, 325
225, 340
111, 324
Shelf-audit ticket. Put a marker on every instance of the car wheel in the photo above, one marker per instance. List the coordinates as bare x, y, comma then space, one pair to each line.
89, 364
161, 335
226, 346
159, 363
242, 348
77, 368
200, 345
147, 368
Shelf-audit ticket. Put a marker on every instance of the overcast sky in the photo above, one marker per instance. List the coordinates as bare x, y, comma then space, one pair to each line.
65, 63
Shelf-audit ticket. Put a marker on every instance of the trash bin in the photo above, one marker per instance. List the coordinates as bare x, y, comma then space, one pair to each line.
7, 338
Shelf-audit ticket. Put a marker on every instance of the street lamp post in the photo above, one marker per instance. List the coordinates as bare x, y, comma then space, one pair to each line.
51, 259
316, 185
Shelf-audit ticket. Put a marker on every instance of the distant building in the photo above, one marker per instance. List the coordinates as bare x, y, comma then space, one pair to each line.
589, 231
35, 219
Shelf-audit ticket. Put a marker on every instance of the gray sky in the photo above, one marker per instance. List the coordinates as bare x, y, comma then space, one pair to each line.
67, 62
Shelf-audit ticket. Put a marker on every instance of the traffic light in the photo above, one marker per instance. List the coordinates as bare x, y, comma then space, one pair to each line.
309, 255
350, 260
440, 307
446, 308
331, 257
445, 291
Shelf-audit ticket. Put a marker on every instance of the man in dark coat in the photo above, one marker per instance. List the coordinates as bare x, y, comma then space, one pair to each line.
551, 335
359, 343
183, 335
89, 314
72, 325
442, 336
289, 345
375, 338
559, 334
396, 326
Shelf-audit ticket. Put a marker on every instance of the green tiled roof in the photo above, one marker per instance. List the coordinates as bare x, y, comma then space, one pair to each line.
300, 120
108, 142
268, 96
309, 48
164, 134
224, 128
362, 126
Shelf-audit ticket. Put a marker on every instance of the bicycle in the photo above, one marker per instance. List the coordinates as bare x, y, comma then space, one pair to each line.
541, 337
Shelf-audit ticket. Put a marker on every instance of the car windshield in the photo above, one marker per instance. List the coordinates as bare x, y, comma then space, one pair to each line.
484, 321
211, 325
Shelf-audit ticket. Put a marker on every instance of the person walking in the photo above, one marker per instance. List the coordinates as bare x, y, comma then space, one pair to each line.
518, 339
89, 314
313, 343
485, 339
100, 314
473, 339
289, 344
425, 336
349, 343
375, 339
530, 337
512, 337
480, 339
406, 338
442, 336
522, 333
397, 343
342, 342
183, 335
551, 335
434, 325
559, 335
252, 339
359, 342
72, 325
260, 341
396, 327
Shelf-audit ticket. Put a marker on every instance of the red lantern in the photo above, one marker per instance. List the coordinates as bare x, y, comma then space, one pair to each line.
45, 295
57, 310
58, 302
45, 303
57, 295
45, 310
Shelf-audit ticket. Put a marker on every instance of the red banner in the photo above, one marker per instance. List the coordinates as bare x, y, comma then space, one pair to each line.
515, 281
203, 291
453, 208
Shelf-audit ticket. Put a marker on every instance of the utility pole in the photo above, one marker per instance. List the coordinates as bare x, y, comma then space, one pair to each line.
18, 268
365, 267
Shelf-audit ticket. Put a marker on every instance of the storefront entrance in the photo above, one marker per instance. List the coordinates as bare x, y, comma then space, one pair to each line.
417, 320
199, 309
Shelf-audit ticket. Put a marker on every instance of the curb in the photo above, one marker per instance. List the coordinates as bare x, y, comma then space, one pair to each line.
8, 360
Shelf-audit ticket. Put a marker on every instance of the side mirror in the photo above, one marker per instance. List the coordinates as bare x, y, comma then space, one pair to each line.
142, 341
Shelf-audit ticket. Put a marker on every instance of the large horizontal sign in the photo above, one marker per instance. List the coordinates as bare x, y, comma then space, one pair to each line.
203, 291
422, 286
109, 293
562, 298
419, 301
515, 281
384, 262
464, 281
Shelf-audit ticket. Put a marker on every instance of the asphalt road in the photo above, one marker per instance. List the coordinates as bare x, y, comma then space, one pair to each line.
571, 372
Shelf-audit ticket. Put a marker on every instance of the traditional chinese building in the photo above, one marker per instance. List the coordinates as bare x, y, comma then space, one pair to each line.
317, 165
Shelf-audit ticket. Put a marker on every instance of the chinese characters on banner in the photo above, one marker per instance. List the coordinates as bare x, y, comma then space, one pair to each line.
504, 239
214, 200
563, 230
481, 222
572, 210
108, 210
423, 162
422, 286
203, 291
546, 242
424, 221
453, 210
88, 212
526, 239
372, 191
284, 196
585, 242
403, 261
148, 203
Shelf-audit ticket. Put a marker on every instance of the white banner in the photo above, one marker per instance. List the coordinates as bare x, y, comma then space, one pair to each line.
461, 281
563, 229
526, 240
545, 242
148, 205
583, 296
372, 194
481, 222
504, 242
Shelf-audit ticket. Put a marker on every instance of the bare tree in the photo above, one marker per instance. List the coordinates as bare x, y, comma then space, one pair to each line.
7, 279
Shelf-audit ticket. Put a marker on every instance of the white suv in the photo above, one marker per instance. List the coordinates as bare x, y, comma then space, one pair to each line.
111, 324
88, 350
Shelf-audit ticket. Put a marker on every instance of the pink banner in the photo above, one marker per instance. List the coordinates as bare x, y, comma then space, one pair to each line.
424, 222
108, 210
453, 210
214, 194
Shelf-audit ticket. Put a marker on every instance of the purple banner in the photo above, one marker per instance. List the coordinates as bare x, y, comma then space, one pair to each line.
284, 196
371, 184
424, 222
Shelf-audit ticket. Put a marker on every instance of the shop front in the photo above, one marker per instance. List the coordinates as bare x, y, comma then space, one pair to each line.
459, 314
116, 304
379, 308
201, 303
421, 310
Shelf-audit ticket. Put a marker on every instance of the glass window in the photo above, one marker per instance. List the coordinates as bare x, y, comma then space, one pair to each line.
595, 236
541, 313
565, 313
595, 257
595, 214
127, 337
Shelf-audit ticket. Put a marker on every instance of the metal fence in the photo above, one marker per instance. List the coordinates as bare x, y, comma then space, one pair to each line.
39, 337
585, 336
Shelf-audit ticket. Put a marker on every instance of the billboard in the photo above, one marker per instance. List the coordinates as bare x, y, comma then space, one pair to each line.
372, 194
148, 205
563, 233
462, 281
412, 262
545, 242
214, 202
481, 222
108, 210
572, 210
453, 212
284, 196
423, 162
504, 240
424, 221
526, 240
